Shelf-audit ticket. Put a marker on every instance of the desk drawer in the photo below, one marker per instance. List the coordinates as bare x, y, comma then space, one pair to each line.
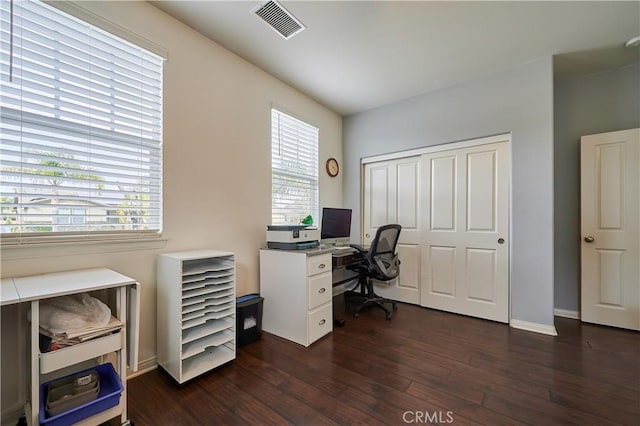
318, 264
320, 291
320, 322
55, 360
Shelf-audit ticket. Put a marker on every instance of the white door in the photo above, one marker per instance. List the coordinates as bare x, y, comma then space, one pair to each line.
391, 191
465, 237
610, 209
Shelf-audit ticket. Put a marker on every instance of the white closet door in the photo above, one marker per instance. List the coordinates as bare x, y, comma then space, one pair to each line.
610, 206
391, 195
465, 245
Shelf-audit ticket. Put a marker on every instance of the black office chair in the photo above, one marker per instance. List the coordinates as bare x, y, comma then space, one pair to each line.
380, 263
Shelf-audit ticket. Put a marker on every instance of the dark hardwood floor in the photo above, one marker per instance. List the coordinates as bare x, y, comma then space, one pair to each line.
423, 366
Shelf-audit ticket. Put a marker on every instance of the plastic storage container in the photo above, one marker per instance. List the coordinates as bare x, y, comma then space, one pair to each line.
248, 319
72, 392
110, 388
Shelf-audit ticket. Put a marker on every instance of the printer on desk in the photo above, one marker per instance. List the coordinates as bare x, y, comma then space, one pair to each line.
292, 237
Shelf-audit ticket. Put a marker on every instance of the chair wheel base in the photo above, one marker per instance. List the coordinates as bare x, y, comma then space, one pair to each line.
357, 302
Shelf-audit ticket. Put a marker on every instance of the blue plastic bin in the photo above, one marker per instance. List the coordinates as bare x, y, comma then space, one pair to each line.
109, 396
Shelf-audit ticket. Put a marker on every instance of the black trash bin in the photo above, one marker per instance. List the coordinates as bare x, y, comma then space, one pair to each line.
248, 319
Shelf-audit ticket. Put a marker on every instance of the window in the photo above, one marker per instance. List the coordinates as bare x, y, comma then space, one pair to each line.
294, 169
81, 128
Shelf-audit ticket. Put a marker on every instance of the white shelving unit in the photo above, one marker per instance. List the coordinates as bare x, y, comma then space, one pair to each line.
47, 366
196, 312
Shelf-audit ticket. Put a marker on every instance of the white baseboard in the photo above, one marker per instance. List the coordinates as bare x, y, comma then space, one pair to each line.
565, 313
143, 367
535, 327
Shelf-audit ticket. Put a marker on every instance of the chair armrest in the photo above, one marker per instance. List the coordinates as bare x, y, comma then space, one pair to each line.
360, 249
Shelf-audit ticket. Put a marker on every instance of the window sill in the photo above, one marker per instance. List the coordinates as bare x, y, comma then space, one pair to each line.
69, 248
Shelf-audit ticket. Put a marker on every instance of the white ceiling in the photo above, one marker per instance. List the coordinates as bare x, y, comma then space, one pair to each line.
358, 55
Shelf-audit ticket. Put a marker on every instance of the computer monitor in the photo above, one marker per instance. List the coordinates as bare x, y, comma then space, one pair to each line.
335, 228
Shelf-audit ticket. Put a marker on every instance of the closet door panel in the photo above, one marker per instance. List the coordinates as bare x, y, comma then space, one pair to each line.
466, 206
391, 195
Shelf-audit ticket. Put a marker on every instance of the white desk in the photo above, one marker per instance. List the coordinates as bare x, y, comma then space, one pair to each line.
33, 289
297, 291
297, 286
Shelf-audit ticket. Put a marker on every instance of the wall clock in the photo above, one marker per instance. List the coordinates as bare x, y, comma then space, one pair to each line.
332, 167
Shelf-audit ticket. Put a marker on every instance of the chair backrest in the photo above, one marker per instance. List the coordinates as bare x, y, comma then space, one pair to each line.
382, 253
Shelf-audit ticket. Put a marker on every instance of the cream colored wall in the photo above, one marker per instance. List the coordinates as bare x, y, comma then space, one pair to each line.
217, 165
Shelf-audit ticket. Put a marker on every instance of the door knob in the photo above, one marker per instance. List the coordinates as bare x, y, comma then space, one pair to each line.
589, 239
500, 240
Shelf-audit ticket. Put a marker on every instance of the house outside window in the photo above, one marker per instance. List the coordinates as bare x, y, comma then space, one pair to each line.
294, 169
81, 128
66, 216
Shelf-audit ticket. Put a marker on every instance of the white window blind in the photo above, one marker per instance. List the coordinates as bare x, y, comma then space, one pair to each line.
81, 128
294, 165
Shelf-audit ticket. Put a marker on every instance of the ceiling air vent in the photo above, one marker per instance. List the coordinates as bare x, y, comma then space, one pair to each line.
279, 18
